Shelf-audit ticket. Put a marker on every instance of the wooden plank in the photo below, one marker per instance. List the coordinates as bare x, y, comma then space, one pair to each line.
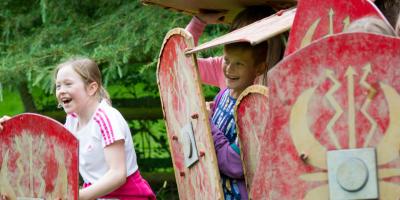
185, 113
340, 92
251, 116
254, 33
39, 159
231, 6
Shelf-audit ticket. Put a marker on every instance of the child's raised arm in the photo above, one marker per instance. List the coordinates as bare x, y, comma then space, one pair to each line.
199, 22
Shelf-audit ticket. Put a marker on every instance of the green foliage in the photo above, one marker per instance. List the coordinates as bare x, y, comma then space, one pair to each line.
151, 145
124, 37
11, 103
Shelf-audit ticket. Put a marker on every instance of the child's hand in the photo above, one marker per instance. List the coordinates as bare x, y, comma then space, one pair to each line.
4, 197
211, 17
209, 107
2, 120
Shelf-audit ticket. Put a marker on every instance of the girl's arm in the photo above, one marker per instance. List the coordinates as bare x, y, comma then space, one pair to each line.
228, 156
196, 28
198, 23
115, 176
210, 69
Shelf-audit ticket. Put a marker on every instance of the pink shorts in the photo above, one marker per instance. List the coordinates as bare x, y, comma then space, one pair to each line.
135, 188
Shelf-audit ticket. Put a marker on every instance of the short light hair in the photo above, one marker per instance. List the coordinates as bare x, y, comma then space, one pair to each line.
258, 52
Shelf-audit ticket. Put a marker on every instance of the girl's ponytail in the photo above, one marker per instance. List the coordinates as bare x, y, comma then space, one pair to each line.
104, 95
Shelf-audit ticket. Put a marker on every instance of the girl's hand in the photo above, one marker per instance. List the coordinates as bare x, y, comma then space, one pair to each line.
2, 120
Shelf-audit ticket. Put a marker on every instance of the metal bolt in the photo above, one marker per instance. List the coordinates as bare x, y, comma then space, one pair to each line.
174, 137
195, 116
182, 173
304, 156
202, 153
352, 175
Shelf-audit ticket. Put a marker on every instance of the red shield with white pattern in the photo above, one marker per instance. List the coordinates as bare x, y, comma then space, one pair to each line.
316, 19
39, 159
331, 103
251, 111
191, 144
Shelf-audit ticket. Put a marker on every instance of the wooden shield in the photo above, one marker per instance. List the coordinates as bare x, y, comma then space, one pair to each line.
39, 159
251, 112
341, 92
318, 18
187, 121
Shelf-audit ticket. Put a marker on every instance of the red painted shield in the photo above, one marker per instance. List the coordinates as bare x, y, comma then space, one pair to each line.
326, 17
341, 92
39, 159
251, 121
187, 120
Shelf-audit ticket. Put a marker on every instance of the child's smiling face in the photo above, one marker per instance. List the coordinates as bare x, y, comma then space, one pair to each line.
239, 69
70, 90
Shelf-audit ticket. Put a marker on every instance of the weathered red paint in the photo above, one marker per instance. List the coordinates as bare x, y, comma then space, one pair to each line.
183, 103
39, 158
356, 73
328, 16
251, 112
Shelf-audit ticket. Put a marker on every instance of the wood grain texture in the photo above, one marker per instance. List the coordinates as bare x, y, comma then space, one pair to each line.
39, 159
182, 98
251, 115
343, 90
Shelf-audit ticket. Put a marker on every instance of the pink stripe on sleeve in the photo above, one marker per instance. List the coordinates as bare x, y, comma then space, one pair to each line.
108, 122
107, 129
102, 131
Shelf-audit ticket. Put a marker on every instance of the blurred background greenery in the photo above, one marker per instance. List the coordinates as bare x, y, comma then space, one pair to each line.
123, 36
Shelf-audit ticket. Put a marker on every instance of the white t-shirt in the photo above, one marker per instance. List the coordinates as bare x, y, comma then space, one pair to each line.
106, 126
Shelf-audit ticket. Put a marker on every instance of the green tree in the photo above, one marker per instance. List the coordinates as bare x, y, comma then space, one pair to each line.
123, 36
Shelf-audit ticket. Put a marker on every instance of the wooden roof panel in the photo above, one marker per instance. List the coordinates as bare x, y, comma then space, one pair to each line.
254, 33
231, 6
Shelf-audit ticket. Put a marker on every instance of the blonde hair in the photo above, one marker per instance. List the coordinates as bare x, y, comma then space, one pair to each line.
89, 71
371, 25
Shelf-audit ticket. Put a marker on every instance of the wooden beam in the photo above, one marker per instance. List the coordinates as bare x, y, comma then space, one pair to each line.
147, 108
